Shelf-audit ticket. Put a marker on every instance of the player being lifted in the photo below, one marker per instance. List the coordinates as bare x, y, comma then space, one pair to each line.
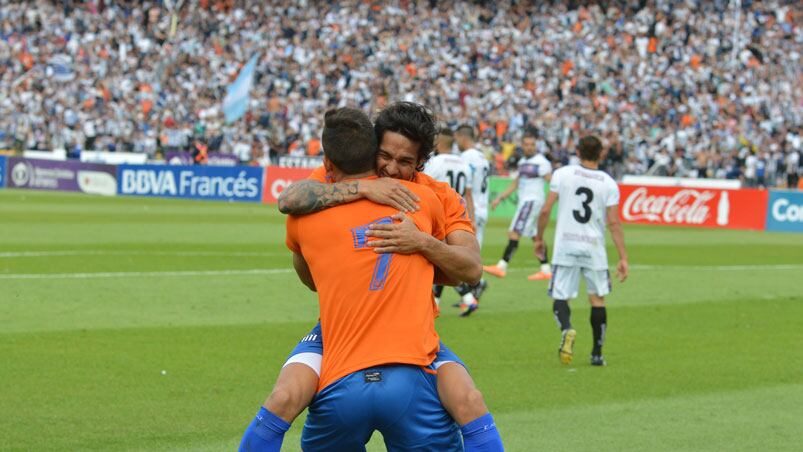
588, 198
406, 134
446, 167
533, 170
478, 182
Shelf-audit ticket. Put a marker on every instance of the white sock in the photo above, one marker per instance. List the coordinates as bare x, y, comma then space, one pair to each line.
502, 264
468, 299
545, 268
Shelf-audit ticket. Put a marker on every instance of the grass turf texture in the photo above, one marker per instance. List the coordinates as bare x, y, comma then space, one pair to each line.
704, 342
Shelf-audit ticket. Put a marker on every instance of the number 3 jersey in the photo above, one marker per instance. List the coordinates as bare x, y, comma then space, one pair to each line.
583, 198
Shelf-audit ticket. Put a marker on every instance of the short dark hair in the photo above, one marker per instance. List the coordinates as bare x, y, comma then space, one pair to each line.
590, 148
466, 130
348, 140
414, 121
446, 131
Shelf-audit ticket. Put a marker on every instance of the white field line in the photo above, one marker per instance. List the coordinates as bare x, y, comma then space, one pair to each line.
698, 267
254, 271
275, 271
15, 254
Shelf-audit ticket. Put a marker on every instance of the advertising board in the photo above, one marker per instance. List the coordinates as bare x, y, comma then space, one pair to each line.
221, 183
785, 211
70, 175
700, 207
277, 178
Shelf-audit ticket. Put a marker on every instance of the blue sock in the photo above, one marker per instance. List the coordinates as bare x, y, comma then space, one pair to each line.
265, 434
481, 435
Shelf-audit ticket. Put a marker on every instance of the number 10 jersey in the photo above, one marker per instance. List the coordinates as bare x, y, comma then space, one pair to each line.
583, 198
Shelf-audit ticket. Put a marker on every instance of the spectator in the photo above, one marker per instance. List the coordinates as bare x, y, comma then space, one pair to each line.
656, 75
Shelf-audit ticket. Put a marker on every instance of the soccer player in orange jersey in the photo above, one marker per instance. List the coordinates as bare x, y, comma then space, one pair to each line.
375, 310
404, 147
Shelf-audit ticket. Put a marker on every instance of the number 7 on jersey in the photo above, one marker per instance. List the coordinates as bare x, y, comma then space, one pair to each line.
382, 266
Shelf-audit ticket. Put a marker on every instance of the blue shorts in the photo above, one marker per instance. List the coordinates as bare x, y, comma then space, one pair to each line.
399, 401
312, 344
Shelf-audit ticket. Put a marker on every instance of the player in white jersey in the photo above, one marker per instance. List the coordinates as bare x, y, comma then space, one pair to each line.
446, 167
478, 182
588, 198
533, 170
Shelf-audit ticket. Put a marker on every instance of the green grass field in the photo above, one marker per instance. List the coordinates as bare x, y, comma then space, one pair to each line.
99, 295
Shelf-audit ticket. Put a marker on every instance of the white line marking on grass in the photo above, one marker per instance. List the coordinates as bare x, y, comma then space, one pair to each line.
254, 271
14, 254
275, 271
719, 267
699, 267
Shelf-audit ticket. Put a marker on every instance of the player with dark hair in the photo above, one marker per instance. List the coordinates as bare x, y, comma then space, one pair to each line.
412, 121
588, 198
534, 170
375, 311
457, 259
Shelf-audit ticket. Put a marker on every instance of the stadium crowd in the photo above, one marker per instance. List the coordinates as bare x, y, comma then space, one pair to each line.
689, 88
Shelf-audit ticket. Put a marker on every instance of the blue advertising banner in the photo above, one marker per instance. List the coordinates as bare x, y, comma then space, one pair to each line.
785, 211
2, 171
237, 183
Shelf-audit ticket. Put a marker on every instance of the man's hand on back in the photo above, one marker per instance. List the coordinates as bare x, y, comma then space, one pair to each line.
389, 192
402, 237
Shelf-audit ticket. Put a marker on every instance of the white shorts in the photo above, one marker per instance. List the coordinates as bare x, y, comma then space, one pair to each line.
566, 280
523, 222
479, 229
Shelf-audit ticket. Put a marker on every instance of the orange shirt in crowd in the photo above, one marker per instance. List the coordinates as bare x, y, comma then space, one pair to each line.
374, 308
652, 45
314, 147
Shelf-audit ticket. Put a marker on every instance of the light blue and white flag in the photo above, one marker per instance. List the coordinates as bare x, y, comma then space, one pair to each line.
237, 94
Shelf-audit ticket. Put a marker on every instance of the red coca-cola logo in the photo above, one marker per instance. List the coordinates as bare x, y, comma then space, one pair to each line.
687, 206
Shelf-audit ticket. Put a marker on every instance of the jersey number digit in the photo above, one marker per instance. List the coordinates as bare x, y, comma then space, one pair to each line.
457, 183
484, 187
382, 266
585, 215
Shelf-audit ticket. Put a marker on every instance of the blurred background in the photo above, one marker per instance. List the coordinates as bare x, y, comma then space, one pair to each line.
706, 89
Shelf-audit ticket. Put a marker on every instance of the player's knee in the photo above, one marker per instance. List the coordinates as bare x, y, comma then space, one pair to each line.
471, 406
597, 302
280, 398
513, 235
286, 402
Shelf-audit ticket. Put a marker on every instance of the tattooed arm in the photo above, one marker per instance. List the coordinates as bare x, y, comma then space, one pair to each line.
308, 196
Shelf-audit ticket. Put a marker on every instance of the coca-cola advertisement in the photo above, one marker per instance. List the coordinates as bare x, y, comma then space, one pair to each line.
701, 207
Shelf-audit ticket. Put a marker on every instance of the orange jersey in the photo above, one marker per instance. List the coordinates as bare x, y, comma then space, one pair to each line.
319, 174
454, 206
374, 308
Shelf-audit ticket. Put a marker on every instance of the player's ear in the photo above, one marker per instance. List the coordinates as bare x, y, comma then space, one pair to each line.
328, 166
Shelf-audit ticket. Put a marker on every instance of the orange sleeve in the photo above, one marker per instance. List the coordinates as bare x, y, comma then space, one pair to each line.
438, 218
318, 174
455, 213
454, 206
291, 237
